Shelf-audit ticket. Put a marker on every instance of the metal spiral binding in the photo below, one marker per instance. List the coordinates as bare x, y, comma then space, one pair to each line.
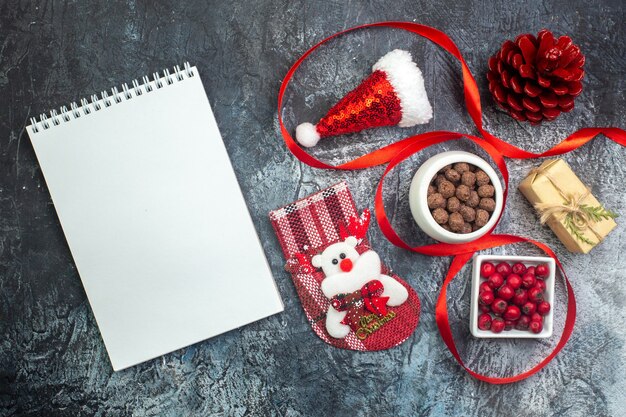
95, 103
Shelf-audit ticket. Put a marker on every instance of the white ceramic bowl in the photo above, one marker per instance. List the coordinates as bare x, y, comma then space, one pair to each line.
548, 320
418, 193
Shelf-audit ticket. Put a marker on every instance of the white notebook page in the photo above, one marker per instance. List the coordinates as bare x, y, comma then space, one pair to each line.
155, 221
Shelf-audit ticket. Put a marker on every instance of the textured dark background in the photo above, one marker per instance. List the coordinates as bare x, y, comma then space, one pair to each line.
52, 360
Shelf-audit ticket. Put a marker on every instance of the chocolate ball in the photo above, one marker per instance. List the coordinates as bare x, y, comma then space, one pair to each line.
474, 199
482, 217
468, 213
446, 189
488, 204
445, 226
436, 201
452, 175
468, 178
461, 167
453, 205
455, 221
467, 228
440, 216
431, 190
482, 178
463, 192
439, 178
486, 190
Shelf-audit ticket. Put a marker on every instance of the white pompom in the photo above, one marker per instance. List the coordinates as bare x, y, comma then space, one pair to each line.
306, 135
408, 83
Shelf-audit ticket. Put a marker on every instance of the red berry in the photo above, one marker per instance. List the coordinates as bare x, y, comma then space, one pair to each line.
535, 294
509, 324
484, 321
522, 323
484, 308
486, 297
520, 297
495, 280
528, 280
503, 268
541, 270
514, 281
506, 292
530, 270
486, 269
529, 308
535, 326
536, 317
484, 286
512, 313
543, 308
497, 325
519, 268
498, 306
540, 284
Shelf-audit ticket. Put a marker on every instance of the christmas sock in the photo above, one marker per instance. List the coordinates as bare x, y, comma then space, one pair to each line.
350, 298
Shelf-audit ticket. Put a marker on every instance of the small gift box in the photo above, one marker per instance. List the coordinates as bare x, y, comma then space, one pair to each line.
567, 206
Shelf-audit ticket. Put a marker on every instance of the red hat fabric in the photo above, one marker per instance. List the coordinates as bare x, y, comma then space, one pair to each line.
393, 94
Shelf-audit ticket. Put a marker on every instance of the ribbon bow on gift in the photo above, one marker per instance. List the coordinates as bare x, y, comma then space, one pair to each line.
360, 302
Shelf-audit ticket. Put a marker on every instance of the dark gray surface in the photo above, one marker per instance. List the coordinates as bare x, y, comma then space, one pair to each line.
52, 360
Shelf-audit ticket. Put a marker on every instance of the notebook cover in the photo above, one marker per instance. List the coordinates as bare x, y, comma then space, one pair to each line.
154, 217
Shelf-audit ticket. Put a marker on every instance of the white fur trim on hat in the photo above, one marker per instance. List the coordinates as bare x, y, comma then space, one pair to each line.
307, 135
408, 83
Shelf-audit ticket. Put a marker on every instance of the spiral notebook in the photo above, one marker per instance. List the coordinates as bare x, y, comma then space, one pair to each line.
154, 217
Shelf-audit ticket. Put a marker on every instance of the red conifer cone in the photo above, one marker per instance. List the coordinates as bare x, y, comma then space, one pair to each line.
536, 78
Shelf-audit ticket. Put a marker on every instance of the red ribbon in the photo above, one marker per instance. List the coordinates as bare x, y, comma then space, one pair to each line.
441, 309
397, 152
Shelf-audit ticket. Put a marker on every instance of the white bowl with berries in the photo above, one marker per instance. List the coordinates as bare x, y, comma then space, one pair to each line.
512, 296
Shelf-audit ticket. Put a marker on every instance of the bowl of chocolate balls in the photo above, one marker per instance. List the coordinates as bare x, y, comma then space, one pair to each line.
456, 197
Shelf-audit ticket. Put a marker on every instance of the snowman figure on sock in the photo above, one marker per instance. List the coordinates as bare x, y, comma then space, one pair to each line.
355, 285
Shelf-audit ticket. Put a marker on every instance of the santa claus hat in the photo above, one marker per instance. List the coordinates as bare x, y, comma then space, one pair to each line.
393, 94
